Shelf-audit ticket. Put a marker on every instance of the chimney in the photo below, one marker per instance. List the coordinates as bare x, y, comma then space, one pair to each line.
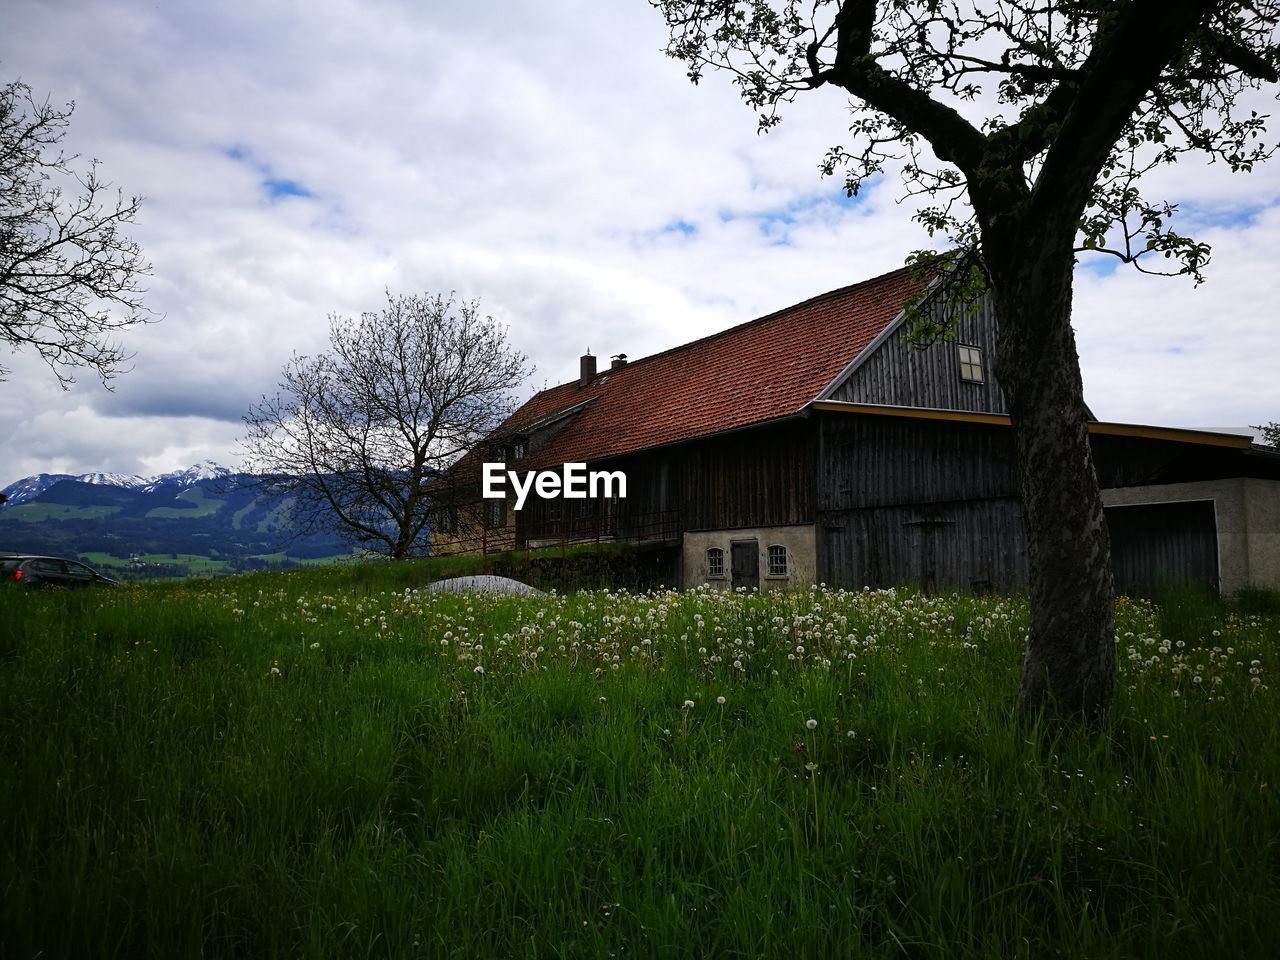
586, 369
619, 361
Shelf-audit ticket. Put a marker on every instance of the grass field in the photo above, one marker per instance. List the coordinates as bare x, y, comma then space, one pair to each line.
193, 564
203, 506
38, 512
334, 763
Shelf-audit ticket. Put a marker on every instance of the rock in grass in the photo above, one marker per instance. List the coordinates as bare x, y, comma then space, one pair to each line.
481, 584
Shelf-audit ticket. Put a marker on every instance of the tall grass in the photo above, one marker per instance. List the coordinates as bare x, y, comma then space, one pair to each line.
332, 764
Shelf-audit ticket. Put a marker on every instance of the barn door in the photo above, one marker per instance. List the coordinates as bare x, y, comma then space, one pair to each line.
745, 563
1163, 544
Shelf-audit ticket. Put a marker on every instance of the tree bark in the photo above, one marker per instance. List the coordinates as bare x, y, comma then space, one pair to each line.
1068, 669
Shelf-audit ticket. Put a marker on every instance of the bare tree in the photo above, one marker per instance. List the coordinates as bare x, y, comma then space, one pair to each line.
362, 435
68, 277
1026, 126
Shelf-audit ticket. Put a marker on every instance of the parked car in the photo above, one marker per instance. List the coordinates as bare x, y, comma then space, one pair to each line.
51, 572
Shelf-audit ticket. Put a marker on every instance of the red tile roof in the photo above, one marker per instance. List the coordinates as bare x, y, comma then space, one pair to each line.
757, 371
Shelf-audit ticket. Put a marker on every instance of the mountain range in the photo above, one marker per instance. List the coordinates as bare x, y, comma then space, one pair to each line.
205, 519
28, 488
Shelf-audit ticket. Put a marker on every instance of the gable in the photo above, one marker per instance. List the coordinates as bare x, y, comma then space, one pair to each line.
895, 372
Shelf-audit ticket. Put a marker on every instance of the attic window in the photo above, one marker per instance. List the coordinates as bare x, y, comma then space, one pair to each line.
715, 564
970, 363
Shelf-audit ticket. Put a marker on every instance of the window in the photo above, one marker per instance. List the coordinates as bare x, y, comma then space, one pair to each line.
495, 513
517, 450
447, 519
777, 560
78, 571
970, 363
715, 564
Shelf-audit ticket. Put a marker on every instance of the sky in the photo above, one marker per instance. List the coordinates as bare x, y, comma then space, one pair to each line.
299, 159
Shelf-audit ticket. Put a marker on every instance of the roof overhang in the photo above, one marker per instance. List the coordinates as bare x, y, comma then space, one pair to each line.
1096, 428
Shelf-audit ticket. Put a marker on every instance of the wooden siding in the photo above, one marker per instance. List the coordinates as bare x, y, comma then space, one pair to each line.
752, 478
887, 461
649, 510
899, 373
973, 546
755, 478
1163, 544
927, 502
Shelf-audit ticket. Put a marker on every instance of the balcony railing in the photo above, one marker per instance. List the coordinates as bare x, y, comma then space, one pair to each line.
655, 526
548, 533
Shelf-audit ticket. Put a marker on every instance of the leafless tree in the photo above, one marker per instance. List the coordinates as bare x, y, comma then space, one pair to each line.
362, 436
68, 276
1027, 127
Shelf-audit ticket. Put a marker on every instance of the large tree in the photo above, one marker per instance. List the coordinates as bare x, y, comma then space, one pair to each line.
69, 279
362, 435
1026, 127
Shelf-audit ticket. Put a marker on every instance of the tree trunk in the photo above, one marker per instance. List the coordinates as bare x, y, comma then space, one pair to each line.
1068, 669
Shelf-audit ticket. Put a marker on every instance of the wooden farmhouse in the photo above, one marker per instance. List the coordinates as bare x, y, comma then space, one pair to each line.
816, 445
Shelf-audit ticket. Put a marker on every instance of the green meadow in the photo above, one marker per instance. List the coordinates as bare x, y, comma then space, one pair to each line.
337, 763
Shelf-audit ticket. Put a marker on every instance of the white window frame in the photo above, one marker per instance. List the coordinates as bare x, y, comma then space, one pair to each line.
970, 358
718, 560
786, 561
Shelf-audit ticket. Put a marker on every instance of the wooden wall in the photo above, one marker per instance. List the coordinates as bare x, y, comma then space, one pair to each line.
933, 503
974, 546
755, 478
869, 461
761, 477
901, 374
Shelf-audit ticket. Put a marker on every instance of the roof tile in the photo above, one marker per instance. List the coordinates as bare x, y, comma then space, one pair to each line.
757, 371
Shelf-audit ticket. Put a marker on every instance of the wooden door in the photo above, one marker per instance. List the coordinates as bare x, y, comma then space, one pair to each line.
745, 563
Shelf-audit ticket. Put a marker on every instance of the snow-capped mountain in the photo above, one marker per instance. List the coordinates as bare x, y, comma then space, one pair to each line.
126, 480
29, 488
200, 472
202, 519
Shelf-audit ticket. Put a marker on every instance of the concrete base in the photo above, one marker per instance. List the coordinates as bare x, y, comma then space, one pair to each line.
802, 556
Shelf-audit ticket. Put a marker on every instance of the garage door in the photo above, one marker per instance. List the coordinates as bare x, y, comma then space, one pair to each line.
1163, 544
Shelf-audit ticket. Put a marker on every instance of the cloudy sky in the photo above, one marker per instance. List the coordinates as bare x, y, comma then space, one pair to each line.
299, 158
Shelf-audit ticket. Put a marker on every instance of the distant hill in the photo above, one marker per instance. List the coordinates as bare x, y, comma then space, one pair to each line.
201, 520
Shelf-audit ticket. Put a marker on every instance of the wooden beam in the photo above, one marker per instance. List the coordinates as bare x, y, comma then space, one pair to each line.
1207, 438
915, 413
